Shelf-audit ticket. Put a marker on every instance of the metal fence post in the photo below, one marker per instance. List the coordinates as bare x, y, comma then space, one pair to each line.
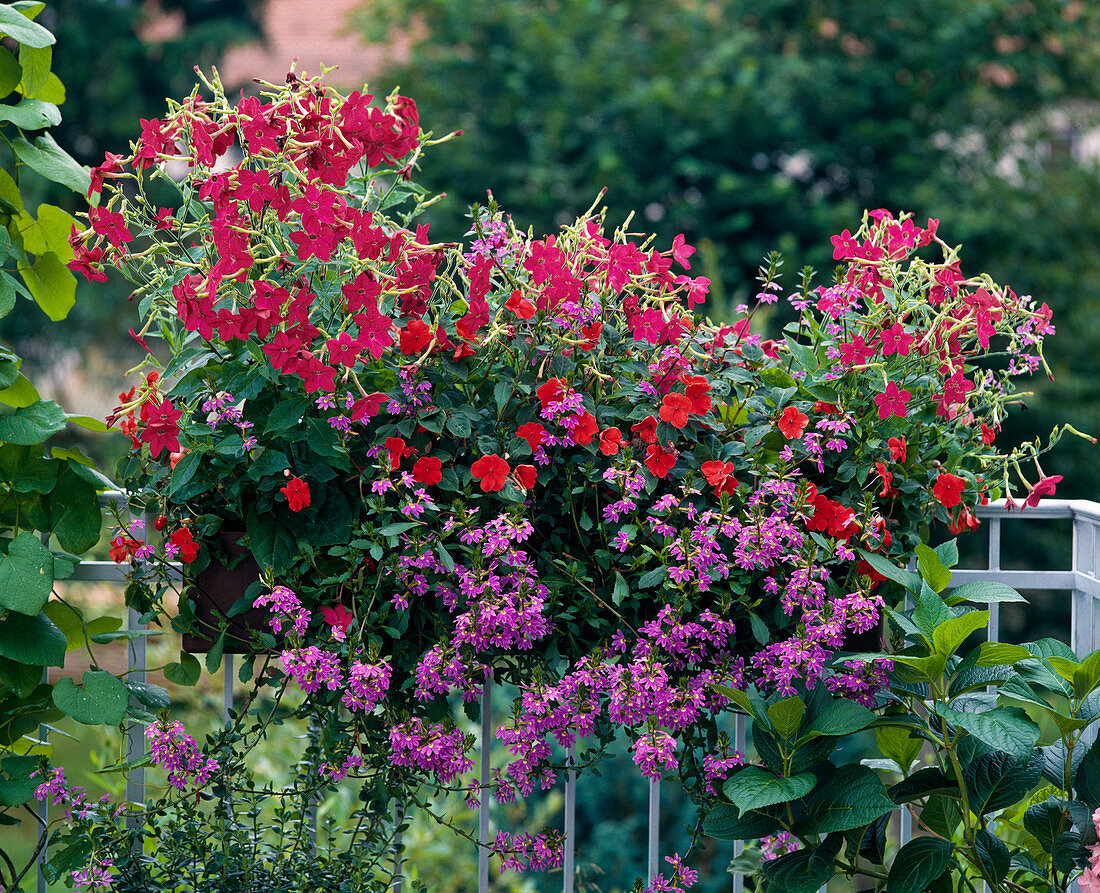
653, 848
484, 794
568, 856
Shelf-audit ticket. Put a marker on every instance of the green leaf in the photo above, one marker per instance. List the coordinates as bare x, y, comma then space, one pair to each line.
917, 864
898, 745
77, 516
89, 423
931, 568
21, 29
1046, 820
653, 578
995, 780
1000, 654
32, 424
20, 394
1087, 779
949, 635
186, 672
724, 822
53, 162
805, 871
930, 612
923, 783
753, 788
10, 72
26, 575
100, 701
948, 553
840, 717
618, 594
50, 232
850, 797
51, 284
941, 815
993, 855
31, 114
985, 592
150, 695
36, 63
32, 640
77, 630
54, 91
891, 571
1004, 728
786, 715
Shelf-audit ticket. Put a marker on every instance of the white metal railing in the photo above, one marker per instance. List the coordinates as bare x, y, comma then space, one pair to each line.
1080, 580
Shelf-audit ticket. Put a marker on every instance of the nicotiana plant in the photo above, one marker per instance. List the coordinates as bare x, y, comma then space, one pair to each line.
529, 461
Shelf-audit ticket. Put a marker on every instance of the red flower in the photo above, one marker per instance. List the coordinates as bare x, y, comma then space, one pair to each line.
888, 487
610, 438
427, 470
161, 428
948, 489
185, 542
533, 433
415, 337
591, 333
368, 406
989, 434
551, 391
646, 429
792, 423
892, 401
491, 471
720, 476
1045, 487
897, 448
675, 409
820, 406
697, 390
658, 461
297, 494
521, 307
338, 618
965, 521
585, 429
526, 475
395, 446
122, 548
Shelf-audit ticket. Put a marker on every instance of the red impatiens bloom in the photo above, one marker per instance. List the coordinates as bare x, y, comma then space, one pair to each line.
297, 494
1045, 487
646, 429
415, 337
610, 439
792, 423
585, 429
397, 449
989, 434
491, 471
658, 461
675, 409
898, 448
185, 543
550, 391
123, 547
892, 401
520, 306
948, 489
720, 476
161, 426
533, 433
526, 475
697, 390
427, 470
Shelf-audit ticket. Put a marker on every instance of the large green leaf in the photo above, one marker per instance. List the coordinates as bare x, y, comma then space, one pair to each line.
949, 635
840, 717
985, 592
186, 672
995, 780
850, 797
931, 568
36, 63
725, 822
917, 864
10, 72
53, 162
993, 854
21, 29
786, 715
76, 628
22, 392
77, 516
26, 575
100, 701
51, 284
754, 788
32, 640
27, 470
1002, 728
32, 424
50, 232
805, 871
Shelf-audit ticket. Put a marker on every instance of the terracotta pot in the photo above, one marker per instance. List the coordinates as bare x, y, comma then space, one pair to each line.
214, 591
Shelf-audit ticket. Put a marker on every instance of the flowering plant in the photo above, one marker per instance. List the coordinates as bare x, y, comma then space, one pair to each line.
529, 461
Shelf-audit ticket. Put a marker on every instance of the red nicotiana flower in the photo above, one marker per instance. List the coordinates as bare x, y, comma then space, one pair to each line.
161, 426
610, 439
720, 476
427, 470
898, 448
368, 406
892, 401
520, 306
681, 251
296, 492
591, 333
491, 471
792, 423
646, 429
948, 489
658, 461
1045, 487
965, 521
675, 409
989, 434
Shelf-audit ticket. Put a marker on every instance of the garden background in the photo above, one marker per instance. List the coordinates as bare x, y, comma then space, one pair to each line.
746, 126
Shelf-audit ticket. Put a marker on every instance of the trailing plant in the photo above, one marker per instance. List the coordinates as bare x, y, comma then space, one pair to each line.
526, 461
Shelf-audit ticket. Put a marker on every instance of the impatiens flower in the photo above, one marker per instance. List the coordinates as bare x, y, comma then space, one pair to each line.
646, 429
397, 449
533, 433
610, 438
123, 547
697, 390
416, 336
792, 423
948, 489
427, 470
989, 434
520, 306
658, 461
892, 401
491, 471
888, 488
550, 391
339, 618
897, 448
585, 428
1045, 487
720, 476
183, 541
297, 494
526, 475
675, 409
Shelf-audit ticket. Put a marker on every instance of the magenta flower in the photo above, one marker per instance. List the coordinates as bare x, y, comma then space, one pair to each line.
892, 401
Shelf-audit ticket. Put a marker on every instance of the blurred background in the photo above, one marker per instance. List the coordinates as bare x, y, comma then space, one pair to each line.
746, 125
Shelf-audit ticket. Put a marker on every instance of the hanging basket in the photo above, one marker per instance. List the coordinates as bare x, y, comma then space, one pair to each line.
215, 590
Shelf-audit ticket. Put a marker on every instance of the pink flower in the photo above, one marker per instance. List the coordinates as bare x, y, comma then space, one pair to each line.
339, 618
892, 401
